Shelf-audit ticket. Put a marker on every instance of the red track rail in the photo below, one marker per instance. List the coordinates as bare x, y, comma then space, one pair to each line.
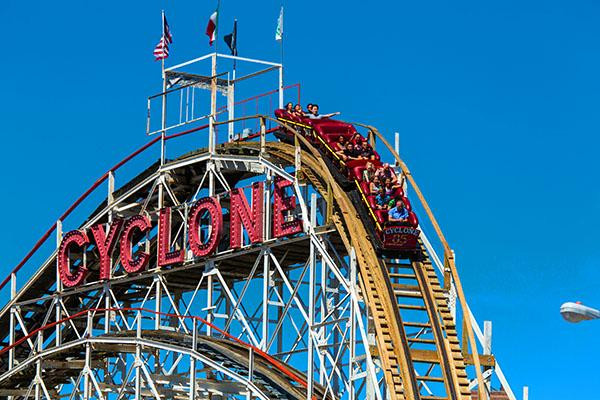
279, 366
115, 168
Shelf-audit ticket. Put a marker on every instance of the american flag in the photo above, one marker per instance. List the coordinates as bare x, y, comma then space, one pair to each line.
161, 51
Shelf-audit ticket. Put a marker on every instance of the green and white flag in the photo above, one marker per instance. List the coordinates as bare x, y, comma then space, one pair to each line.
279, 30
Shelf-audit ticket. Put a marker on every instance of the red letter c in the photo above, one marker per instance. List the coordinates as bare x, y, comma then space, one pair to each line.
71, 278
130, 263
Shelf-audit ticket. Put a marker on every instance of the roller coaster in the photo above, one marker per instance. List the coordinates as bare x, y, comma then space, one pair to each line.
253, 267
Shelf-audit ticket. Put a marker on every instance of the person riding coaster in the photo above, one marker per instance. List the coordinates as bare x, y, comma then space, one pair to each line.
314, 113
289, 108
298, 112
398, 213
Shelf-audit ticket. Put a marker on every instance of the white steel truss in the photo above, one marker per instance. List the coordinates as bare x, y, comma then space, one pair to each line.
309, 315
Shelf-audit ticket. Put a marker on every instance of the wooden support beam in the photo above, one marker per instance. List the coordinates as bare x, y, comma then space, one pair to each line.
431, 356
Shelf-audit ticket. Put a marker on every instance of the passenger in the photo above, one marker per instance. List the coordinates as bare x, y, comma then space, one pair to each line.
340, 145
369, 172
375, 185
398, 213
314, 113
387, 172
309, 107
382, 199
350, 153
298, 112
289, 107
390, 188
366, 152
357, 138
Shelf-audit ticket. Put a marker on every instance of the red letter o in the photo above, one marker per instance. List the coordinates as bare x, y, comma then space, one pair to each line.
212, 206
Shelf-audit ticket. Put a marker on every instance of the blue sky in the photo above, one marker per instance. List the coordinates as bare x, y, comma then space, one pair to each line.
496, 103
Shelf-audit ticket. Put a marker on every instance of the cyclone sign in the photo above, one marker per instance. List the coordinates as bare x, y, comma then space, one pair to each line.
400, 237
125, 234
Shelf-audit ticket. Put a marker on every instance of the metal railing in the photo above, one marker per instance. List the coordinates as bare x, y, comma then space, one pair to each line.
56, 226
263, 103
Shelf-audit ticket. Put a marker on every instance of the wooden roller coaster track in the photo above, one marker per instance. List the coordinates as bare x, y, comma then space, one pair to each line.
382, 298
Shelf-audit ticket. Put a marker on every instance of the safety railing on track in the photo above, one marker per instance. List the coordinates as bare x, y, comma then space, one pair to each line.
112, 170
468, 330
448, 262
77, 202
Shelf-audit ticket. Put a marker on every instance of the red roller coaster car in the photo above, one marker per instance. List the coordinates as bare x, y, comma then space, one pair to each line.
324, 133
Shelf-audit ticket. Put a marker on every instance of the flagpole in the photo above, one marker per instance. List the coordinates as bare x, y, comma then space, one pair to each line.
217, 26
282, 32
232, 85
214, 71
235, 47
231, 41
281, 75
212, 136
164, 97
